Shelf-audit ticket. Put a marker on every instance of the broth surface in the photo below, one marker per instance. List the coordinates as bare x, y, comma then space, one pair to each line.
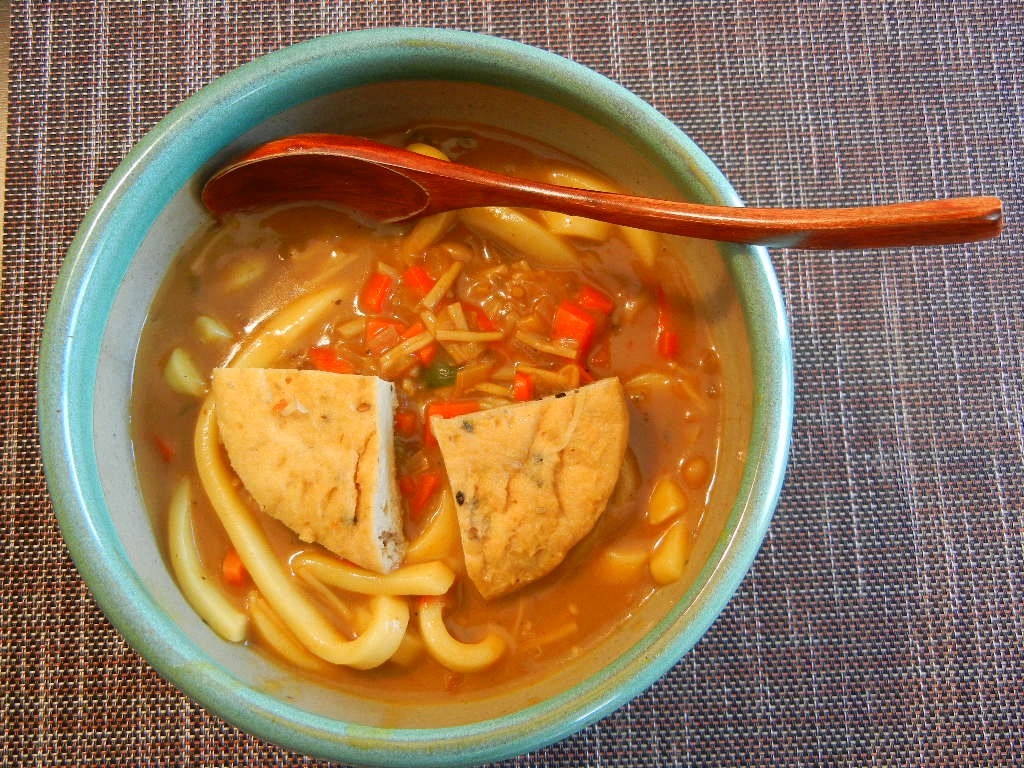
653, 339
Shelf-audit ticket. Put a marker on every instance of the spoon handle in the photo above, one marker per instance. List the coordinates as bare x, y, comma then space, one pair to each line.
929, 222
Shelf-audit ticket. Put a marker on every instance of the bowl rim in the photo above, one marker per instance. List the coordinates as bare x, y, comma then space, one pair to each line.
75, 324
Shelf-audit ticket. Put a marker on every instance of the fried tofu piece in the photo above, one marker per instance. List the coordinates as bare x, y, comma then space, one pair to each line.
530, 480
315, 450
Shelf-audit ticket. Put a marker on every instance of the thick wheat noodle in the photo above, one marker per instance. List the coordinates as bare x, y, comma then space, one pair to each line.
210, 603
275, 634
433, 578
643, 243
427, 231
522, 234
182, 376
285, 326
455, 654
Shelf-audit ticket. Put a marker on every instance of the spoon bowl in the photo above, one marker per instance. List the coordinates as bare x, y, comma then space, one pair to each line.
390, 184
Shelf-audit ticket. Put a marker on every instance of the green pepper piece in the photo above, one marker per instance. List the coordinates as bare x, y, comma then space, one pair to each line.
440, 373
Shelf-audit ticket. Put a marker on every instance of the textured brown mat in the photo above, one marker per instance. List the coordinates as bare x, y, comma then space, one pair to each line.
882, 622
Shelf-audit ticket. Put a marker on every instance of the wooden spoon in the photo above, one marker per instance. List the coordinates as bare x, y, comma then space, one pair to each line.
390, 184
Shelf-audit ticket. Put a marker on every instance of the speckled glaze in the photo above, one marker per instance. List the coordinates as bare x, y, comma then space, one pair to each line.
99, 272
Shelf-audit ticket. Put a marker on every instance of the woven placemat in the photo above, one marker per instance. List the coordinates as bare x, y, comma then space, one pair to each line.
882, 622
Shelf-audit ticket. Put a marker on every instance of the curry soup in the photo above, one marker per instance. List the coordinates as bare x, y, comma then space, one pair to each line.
463, 312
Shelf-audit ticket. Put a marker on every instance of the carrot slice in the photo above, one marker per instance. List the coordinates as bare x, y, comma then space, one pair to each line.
326, 359
666, 336
414, 330
446, 411
375, 292
377, 325
405, 422
668, 344
522, 387
595, 300
418, 280
427, 353
483, 322
571, 321
233, 570
165, 449
418, 490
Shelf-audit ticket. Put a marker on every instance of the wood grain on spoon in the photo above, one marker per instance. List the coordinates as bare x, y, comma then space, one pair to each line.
390, 184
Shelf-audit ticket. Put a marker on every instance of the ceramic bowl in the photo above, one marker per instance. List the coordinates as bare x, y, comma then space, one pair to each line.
353, 83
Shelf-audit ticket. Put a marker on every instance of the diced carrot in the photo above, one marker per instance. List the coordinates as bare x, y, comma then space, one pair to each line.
668, 344
326, 359
405, 422
375, 292
233, 570
571, 321
375, 326
483, 322
425, 354
666, 336
428, 353
165, 448
418, 490
414, 330
428, 484
595, 300
418, 280
446, 411
522, 387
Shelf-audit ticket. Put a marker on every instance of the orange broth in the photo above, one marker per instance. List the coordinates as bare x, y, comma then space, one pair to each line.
646, 331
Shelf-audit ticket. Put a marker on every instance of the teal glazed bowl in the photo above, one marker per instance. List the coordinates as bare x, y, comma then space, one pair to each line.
352, 83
